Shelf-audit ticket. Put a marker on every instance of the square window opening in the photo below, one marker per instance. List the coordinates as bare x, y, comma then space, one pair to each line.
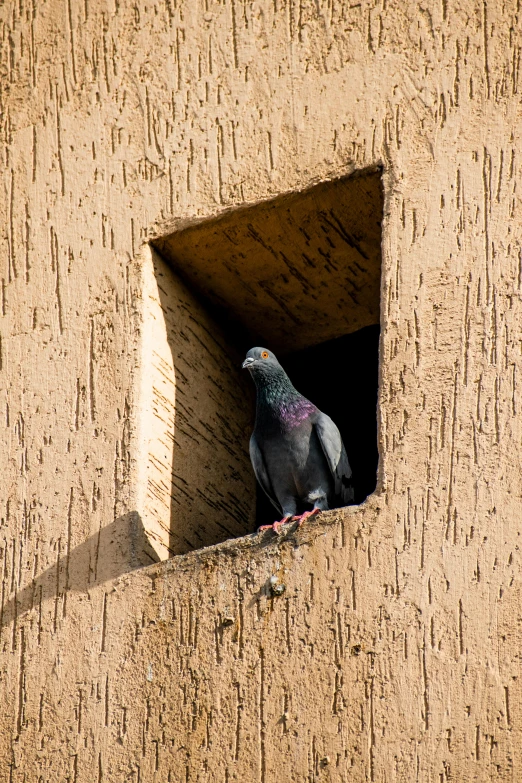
299, 274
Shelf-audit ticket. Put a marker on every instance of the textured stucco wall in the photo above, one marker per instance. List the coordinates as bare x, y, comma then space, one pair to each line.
394, 654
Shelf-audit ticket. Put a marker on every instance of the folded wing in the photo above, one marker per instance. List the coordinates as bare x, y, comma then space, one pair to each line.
335, 453
259, 465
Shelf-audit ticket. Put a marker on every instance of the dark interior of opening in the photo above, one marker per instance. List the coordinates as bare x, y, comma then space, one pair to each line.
300, 275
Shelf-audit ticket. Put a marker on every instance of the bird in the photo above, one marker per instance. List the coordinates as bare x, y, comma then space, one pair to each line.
296, 450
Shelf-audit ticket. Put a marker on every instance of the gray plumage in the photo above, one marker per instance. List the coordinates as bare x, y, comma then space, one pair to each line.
296, 450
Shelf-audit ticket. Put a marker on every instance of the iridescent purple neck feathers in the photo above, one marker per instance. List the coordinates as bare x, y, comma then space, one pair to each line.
295, 411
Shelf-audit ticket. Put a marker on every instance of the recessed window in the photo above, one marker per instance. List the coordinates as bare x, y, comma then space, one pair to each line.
299, 274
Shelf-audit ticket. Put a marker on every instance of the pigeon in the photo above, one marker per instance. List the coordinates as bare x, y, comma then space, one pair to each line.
296, 450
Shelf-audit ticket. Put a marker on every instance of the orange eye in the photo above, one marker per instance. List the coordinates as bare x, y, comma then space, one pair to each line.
264, 354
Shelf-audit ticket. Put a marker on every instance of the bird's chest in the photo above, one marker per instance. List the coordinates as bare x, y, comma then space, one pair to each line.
288, 445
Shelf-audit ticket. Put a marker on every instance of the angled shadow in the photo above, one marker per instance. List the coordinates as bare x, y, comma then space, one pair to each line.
116, 549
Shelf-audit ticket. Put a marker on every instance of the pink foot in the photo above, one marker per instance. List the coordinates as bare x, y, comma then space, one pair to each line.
276, 527
302, 517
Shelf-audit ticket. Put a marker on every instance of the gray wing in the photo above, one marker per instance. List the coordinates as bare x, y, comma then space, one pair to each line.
335, 453
258, 463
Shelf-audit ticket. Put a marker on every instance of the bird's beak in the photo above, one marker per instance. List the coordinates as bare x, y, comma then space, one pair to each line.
247, 362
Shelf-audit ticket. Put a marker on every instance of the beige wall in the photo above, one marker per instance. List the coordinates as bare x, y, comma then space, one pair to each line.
394, 653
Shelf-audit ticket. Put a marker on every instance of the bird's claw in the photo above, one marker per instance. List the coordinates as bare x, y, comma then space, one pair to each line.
276, 526
301, 518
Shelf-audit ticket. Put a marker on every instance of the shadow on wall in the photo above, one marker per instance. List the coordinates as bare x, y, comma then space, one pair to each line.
116, 549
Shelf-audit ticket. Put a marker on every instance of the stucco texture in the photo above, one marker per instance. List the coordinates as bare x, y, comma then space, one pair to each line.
394, 652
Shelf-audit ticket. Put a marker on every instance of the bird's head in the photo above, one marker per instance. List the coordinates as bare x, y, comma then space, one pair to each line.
261, 361
272, 382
